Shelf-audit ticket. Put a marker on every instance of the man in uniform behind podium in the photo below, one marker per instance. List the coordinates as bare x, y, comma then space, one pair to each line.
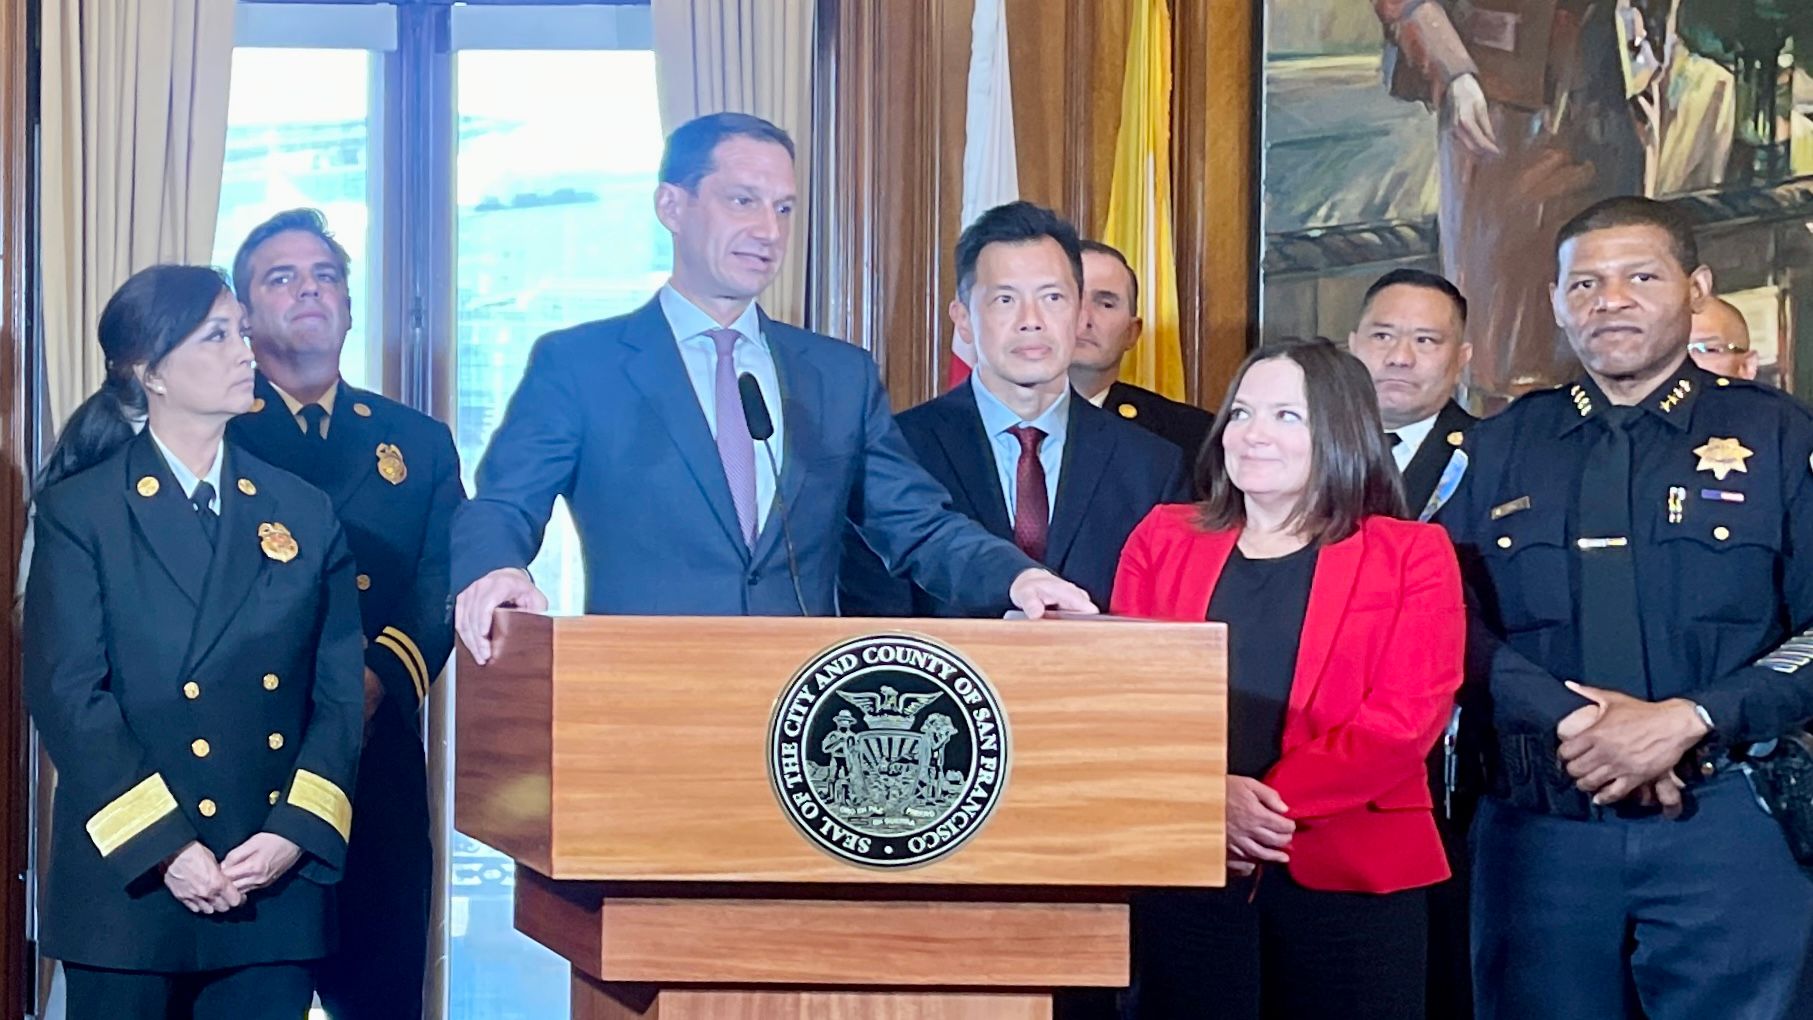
1107, 329
640, 422
394, 476
1412, 339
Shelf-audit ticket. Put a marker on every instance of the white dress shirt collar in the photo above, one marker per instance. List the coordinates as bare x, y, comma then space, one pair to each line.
187, 479
1410, 439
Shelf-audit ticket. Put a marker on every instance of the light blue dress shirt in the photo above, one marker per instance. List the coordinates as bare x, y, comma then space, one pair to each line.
186, 479
752, 355
997, 418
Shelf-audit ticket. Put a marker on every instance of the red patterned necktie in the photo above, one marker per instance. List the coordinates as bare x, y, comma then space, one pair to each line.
1032, 510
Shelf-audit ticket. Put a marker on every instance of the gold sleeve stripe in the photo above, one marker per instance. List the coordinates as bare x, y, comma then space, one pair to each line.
420, 660
324, 800
131, 813
409, 663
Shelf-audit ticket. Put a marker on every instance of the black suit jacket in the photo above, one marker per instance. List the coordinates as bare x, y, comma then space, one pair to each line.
1113, 474
398, 531
1185, 425
1424, 472
190, 692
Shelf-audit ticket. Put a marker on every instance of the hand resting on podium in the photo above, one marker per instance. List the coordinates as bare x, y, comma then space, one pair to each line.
473, 610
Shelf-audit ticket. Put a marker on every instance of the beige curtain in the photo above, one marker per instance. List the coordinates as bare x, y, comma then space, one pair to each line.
749, 56
134, 108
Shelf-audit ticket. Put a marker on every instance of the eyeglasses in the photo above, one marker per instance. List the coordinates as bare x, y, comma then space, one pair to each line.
1716, 347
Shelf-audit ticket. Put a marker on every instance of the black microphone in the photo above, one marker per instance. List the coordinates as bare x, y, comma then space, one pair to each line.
761, 429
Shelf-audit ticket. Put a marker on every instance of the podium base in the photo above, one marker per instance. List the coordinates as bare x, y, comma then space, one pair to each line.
598, 1000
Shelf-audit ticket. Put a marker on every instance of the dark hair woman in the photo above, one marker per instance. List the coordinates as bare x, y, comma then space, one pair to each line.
1345, 631
193, 662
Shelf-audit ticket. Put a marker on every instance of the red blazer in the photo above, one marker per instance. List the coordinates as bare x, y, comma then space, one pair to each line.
1377, 670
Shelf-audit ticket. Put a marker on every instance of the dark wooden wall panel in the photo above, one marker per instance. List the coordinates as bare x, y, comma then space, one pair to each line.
890, 109
1214, 179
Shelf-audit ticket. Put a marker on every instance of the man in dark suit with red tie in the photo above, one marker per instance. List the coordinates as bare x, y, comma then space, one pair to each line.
1020, 451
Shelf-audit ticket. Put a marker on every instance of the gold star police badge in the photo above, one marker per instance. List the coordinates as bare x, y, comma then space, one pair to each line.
1722, 456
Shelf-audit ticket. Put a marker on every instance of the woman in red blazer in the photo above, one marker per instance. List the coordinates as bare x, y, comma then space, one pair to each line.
1345, 638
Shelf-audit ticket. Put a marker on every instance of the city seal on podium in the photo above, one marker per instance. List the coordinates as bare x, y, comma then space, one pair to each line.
888, 750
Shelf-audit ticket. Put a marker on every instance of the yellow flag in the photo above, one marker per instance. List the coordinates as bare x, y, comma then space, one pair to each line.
1139, 205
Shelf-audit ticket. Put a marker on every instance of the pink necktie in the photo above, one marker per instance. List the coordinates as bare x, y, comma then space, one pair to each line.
735, 448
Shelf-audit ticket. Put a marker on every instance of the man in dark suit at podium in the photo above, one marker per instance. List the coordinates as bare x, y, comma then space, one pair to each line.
648, 424
1412, 338
1019, 450
1108, 329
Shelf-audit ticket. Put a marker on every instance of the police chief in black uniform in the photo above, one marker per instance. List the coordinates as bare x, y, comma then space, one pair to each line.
394, 478
191, 649
1640, 546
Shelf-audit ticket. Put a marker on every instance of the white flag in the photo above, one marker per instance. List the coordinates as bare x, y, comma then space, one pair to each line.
991, 174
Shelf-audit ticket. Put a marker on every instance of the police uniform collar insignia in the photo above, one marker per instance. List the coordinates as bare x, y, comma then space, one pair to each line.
277, 542
1676, 394
1128, 411
246, 486
257, 404
390, 464
1583, 402
362, 409
148, 486
1722, 456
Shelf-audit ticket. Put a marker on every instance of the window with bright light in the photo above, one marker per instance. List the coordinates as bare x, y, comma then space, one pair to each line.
299, 133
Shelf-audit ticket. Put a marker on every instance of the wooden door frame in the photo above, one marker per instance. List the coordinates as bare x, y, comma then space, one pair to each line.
18, 435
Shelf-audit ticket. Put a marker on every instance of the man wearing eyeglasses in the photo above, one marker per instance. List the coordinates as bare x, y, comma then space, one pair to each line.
1720, 342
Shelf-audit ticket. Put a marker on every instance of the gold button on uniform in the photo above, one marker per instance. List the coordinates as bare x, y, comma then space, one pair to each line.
147, 486
191, 690
206, 807
1708, 768
1721, 533
246, 486
1504, 541
200, 747
364, 581
1128, 411
270, 681
276, 741
362, 409
273, 797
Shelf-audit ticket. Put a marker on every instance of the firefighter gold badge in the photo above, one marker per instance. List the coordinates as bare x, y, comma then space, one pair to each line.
390, 464
277, 542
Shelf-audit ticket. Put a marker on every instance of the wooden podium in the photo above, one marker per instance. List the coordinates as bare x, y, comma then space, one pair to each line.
623, 763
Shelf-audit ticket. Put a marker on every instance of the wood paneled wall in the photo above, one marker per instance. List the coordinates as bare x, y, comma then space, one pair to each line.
16, 435
890, 114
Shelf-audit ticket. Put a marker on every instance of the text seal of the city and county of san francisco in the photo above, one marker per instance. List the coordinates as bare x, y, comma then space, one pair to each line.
888, 750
